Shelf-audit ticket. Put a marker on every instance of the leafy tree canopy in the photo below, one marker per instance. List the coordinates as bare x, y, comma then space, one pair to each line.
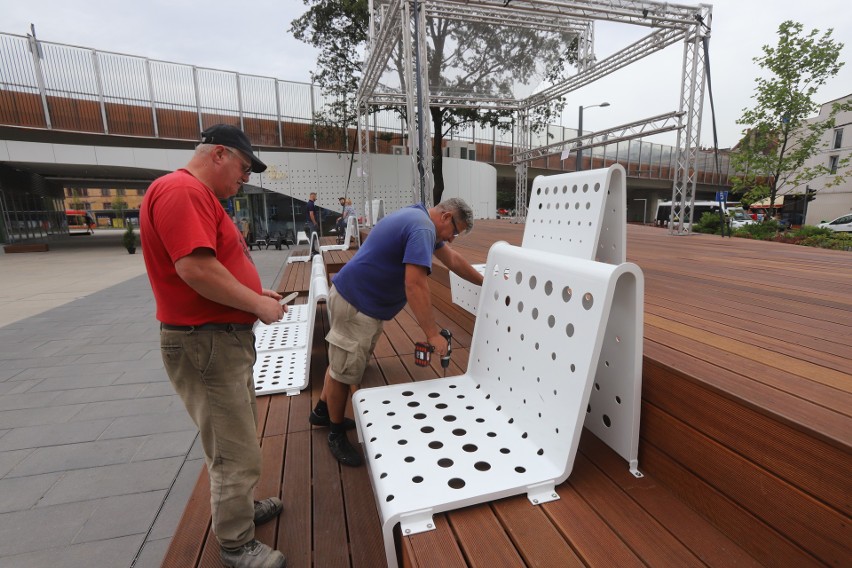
779, 138
464, 59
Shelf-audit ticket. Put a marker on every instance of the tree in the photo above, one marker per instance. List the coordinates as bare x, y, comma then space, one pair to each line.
463, 57
779, 139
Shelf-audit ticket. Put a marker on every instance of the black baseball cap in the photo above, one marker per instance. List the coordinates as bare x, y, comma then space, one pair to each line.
232, 137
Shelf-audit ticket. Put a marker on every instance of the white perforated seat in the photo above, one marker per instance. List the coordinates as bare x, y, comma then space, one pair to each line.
579, 214
352, 234
284, 347
512, 423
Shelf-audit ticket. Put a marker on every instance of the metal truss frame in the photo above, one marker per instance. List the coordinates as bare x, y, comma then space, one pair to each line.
391, 21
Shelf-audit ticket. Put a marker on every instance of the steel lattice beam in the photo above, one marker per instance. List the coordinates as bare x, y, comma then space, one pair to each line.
646, 127
671, 23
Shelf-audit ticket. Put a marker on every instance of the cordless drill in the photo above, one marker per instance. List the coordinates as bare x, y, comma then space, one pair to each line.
423, 351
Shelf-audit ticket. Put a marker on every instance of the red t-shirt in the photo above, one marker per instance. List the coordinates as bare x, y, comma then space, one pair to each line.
180, 214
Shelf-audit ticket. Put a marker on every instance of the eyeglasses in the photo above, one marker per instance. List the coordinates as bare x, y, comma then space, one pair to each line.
246, 168
455, 227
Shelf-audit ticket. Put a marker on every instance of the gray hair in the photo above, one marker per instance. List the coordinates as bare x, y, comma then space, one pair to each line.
459, 208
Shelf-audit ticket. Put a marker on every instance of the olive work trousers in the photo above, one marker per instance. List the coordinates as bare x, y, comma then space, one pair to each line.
212, 373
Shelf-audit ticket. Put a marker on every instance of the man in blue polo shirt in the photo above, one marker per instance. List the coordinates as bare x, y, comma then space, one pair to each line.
390, 269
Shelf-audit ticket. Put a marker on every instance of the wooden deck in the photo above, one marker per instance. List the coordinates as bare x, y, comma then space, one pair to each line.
746, 438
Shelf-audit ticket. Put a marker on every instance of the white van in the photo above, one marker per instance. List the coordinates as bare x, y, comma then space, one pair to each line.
664, 210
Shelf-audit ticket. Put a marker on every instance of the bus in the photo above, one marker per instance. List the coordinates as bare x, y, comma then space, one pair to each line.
79, 221
664, 210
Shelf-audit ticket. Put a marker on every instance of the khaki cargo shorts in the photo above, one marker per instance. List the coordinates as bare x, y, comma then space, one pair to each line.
351, 341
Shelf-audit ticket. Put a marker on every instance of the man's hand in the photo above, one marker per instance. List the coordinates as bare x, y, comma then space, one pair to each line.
440, 343
268, 309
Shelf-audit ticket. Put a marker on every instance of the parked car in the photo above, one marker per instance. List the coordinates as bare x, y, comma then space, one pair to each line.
740, 218
841, 224
502, 212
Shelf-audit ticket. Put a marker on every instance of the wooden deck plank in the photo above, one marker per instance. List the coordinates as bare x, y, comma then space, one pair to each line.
650, 540
272, 468
330, 539
588, 534
483, 541
434, 548
537, 540
295, 528
709, 545
787, 452
185, 547
812, 525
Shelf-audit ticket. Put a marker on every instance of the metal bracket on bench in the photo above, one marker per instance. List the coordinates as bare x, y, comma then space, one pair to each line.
416, 522
542, 493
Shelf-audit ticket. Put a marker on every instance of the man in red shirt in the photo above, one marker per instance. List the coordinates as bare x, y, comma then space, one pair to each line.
209, 296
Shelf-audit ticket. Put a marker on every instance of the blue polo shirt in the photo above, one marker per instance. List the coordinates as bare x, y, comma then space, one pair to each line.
374, 279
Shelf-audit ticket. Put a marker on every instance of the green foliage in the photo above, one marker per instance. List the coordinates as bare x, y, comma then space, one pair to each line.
836, 241
763, 231
807, 235
464, 59
128, 239
709, 223
779, 139
813, 231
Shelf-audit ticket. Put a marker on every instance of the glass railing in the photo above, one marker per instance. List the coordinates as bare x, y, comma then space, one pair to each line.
64, 87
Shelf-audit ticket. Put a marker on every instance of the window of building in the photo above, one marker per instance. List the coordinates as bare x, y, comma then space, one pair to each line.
832, 164
120, 192
838, 138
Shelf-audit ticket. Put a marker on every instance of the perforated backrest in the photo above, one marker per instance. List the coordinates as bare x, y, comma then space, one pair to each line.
538, 330
579, 214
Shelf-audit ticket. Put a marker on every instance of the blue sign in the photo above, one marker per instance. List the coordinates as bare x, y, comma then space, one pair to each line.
722, 196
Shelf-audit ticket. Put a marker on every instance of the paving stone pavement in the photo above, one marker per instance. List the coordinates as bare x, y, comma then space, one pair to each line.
97, 455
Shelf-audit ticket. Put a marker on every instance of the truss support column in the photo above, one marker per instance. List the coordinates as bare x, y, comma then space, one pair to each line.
586, 48
689, 135
364, 162
521, 138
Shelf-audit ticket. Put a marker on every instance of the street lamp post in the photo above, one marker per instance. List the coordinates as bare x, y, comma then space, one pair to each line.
580, 133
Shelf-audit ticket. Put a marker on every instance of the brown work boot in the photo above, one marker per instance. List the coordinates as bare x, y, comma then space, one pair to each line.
266, 510
253, 554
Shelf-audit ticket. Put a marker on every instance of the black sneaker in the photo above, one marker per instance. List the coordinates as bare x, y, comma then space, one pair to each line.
319, 420
343, 451
266, 510
253, 554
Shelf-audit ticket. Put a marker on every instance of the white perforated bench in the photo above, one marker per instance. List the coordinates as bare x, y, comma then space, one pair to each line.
580, 214
284, 348
583, 215
512, 423
311, 247
352, 233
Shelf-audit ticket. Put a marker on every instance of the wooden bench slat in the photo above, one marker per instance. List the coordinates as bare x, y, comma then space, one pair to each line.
588, 534
185, 547
708, 544
787, 452
538, 541
811, 525
482, 538
295, 527
433, 548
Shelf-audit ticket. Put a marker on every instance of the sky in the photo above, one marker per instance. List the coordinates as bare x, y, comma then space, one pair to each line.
252, 37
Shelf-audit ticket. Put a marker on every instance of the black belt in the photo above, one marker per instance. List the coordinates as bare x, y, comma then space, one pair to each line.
229, 327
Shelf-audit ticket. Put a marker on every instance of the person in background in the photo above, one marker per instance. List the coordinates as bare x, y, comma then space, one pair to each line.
391, 268
311, 223
245, 228
339, 225
209, 295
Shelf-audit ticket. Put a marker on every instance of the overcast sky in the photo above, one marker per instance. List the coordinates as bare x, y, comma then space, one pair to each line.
250, 36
